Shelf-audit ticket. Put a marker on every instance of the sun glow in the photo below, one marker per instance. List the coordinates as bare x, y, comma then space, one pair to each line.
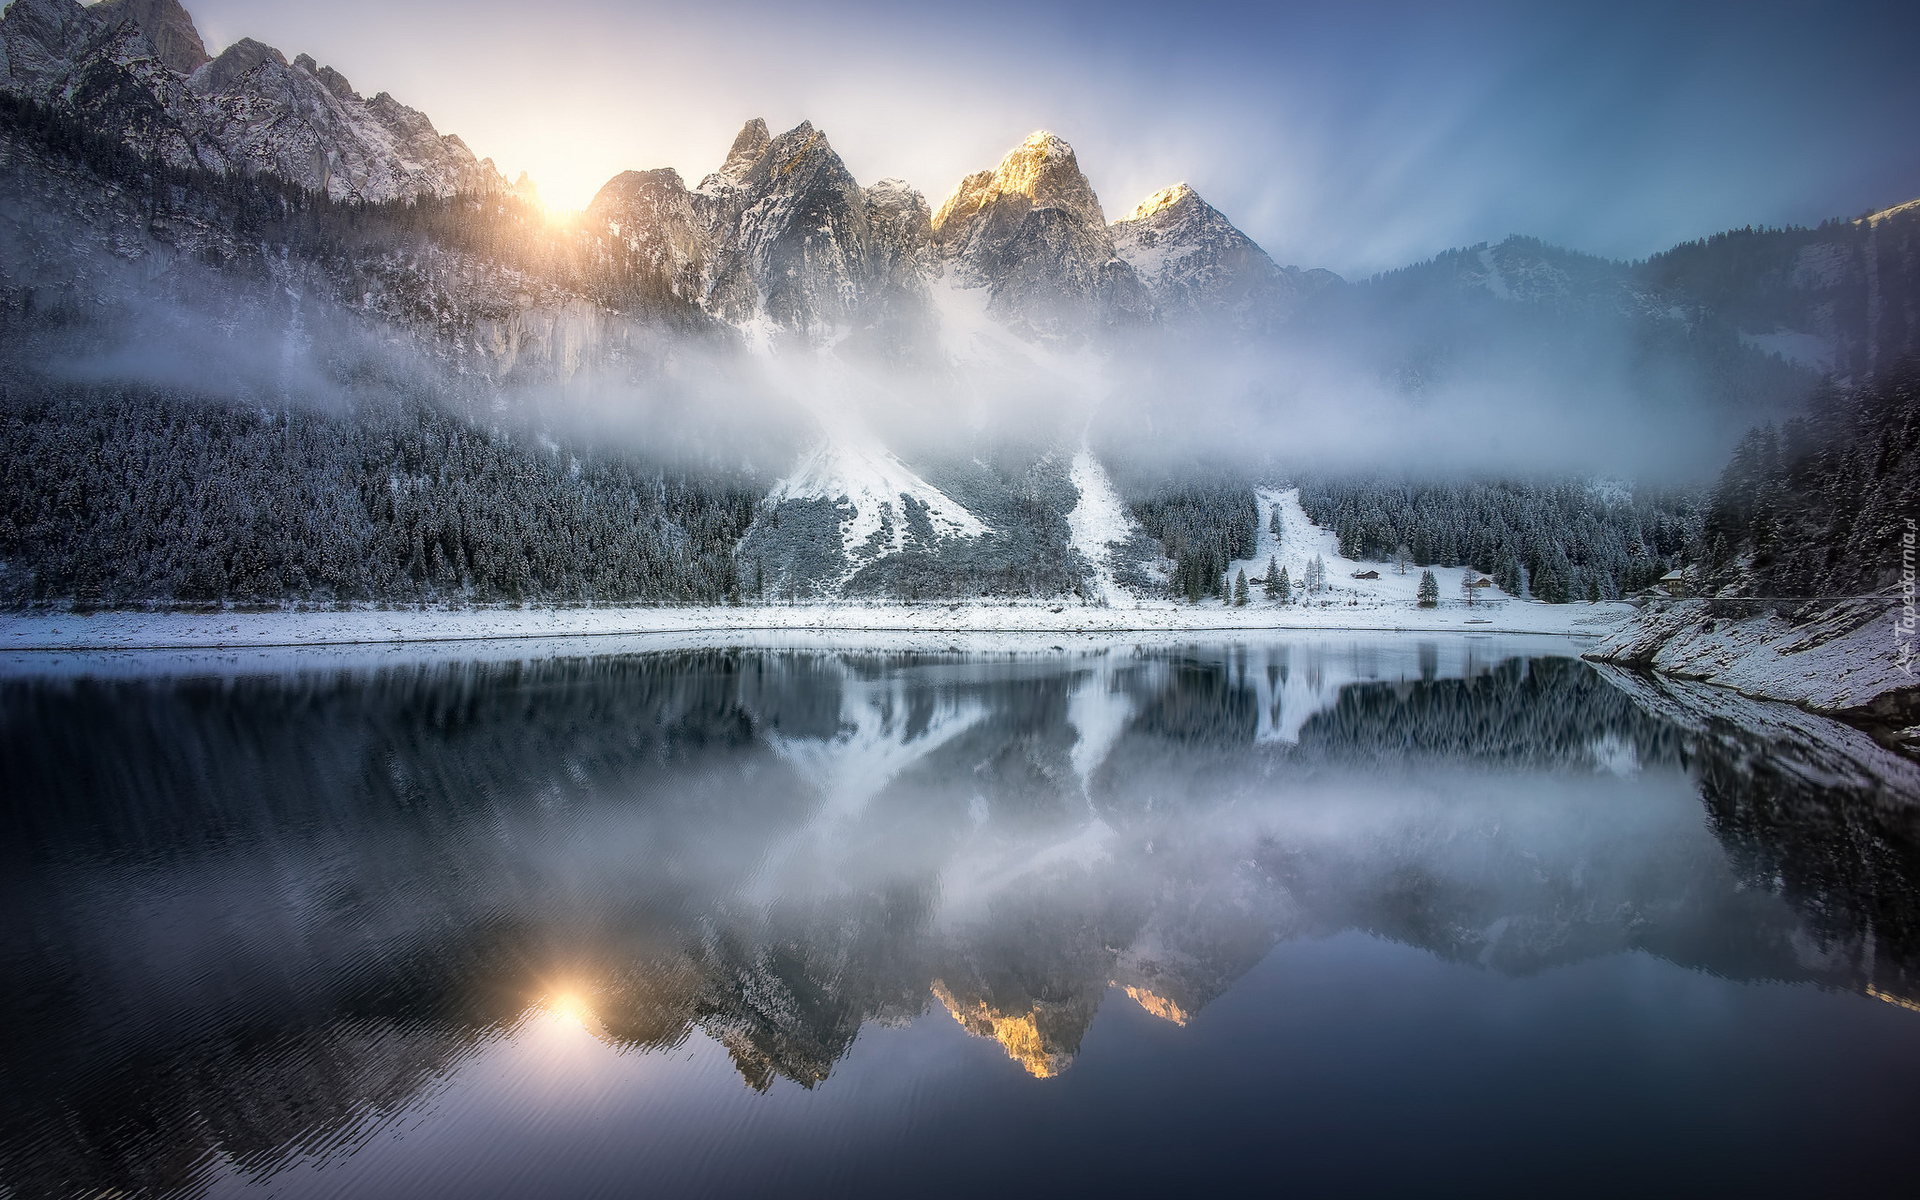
568, 1008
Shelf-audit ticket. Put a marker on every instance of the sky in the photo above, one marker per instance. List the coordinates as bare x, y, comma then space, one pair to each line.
1357, 137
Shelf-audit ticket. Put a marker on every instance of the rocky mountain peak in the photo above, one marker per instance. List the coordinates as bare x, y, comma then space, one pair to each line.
1198, 267
223, 74
1165, 201
748, 145
1043, 169
331, 79
167, 26
1041, 172
1033, 232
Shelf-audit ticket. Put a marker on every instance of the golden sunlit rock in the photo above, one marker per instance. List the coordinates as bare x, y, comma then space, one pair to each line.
1158, 1006
1019, 1033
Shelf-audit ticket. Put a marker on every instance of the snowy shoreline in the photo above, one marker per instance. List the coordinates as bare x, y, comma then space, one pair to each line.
1356, 597
124, 630
1844, 662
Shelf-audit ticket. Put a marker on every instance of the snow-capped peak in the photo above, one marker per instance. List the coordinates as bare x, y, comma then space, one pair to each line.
1161, 201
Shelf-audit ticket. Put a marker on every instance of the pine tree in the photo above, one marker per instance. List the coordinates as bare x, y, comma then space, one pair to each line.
1429, 590
1272, 580
1240, 589
1273, 520
1284, 588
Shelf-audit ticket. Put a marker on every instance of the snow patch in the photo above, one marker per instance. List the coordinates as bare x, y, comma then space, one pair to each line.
1496, 282
1300, 541
878, 486
1098, 522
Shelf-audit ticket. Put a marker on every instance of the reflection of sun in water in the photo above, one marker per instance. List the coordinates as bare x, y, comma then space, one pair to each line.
567, 1008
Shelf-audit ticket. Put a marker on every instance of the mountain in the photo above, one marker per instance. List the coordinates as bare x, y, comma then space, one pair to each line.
781, 242
910, 389
1199, 269
137, 70
1843, 297
1032, 233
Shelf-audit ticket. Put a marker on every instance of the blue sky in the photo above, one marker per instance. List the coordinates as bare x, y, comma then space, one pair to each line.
1357, 137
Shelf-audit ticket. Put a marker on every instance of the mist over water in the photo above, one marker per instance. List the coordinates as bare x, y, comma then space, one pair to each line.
1127, 915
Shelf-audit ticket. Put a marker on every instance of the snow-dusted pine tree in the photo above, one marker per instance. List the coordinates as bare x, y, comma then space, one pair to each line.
1429, 590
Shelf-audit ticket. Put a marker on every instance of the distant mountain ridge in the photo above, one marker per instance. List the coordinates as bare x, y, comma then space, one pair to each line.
782, 243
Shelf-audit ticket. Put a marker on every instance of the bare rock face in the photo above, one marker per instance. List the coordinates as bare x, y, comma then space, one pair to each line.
651, 215
166, 25
304, 122
1032, 231
39, 40
902, 228
1199, 268
804, 238
137, 69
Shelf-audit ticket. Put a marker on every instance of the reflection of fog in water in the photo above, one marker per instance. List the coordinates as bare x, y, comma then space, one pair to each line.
265, 915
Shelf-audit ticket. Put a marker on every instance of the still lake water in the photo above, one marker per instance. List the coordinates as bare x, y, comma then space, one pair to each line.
1330, 915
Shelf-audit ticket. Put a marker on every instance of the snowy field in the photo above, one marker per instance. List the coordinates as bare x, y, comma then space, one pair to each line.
1384, 604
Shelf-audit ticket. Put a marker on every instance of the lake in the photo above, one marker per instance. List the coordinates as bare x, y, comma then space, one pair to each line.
1329, 914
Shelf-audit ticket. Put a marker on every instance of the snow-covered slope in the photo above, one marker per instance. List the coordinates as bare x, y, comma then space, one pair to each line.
1300, 541
887, 503
1100, 523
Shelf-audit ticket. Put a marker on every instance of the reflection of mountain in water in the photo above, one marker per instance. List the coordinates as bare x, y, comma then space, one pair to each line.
264, 915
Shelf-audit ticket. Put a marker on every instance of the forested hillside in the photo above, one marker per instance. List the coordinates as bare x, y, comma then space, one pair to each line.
1573, 541
113, 495
1820, 505
1202, 524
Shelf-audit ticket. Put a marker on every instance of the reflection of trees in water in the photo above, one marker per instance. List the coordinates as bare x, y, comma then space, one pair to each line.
364, 877
1848, 861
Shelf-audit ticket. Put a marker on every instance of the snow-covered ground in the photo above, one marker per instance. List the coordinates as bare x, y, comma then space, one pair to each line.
1386, 604
850, 467
1098, 522
133, 630
1300, 540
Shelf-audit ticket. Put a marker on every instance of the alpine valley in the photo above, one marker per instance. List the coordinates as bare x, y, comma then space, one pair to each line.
267, 339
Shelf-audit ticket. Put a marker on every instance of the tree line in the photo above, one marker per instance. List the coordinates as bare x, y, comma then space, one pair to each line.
1562, 540
1820, 504
124, 495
